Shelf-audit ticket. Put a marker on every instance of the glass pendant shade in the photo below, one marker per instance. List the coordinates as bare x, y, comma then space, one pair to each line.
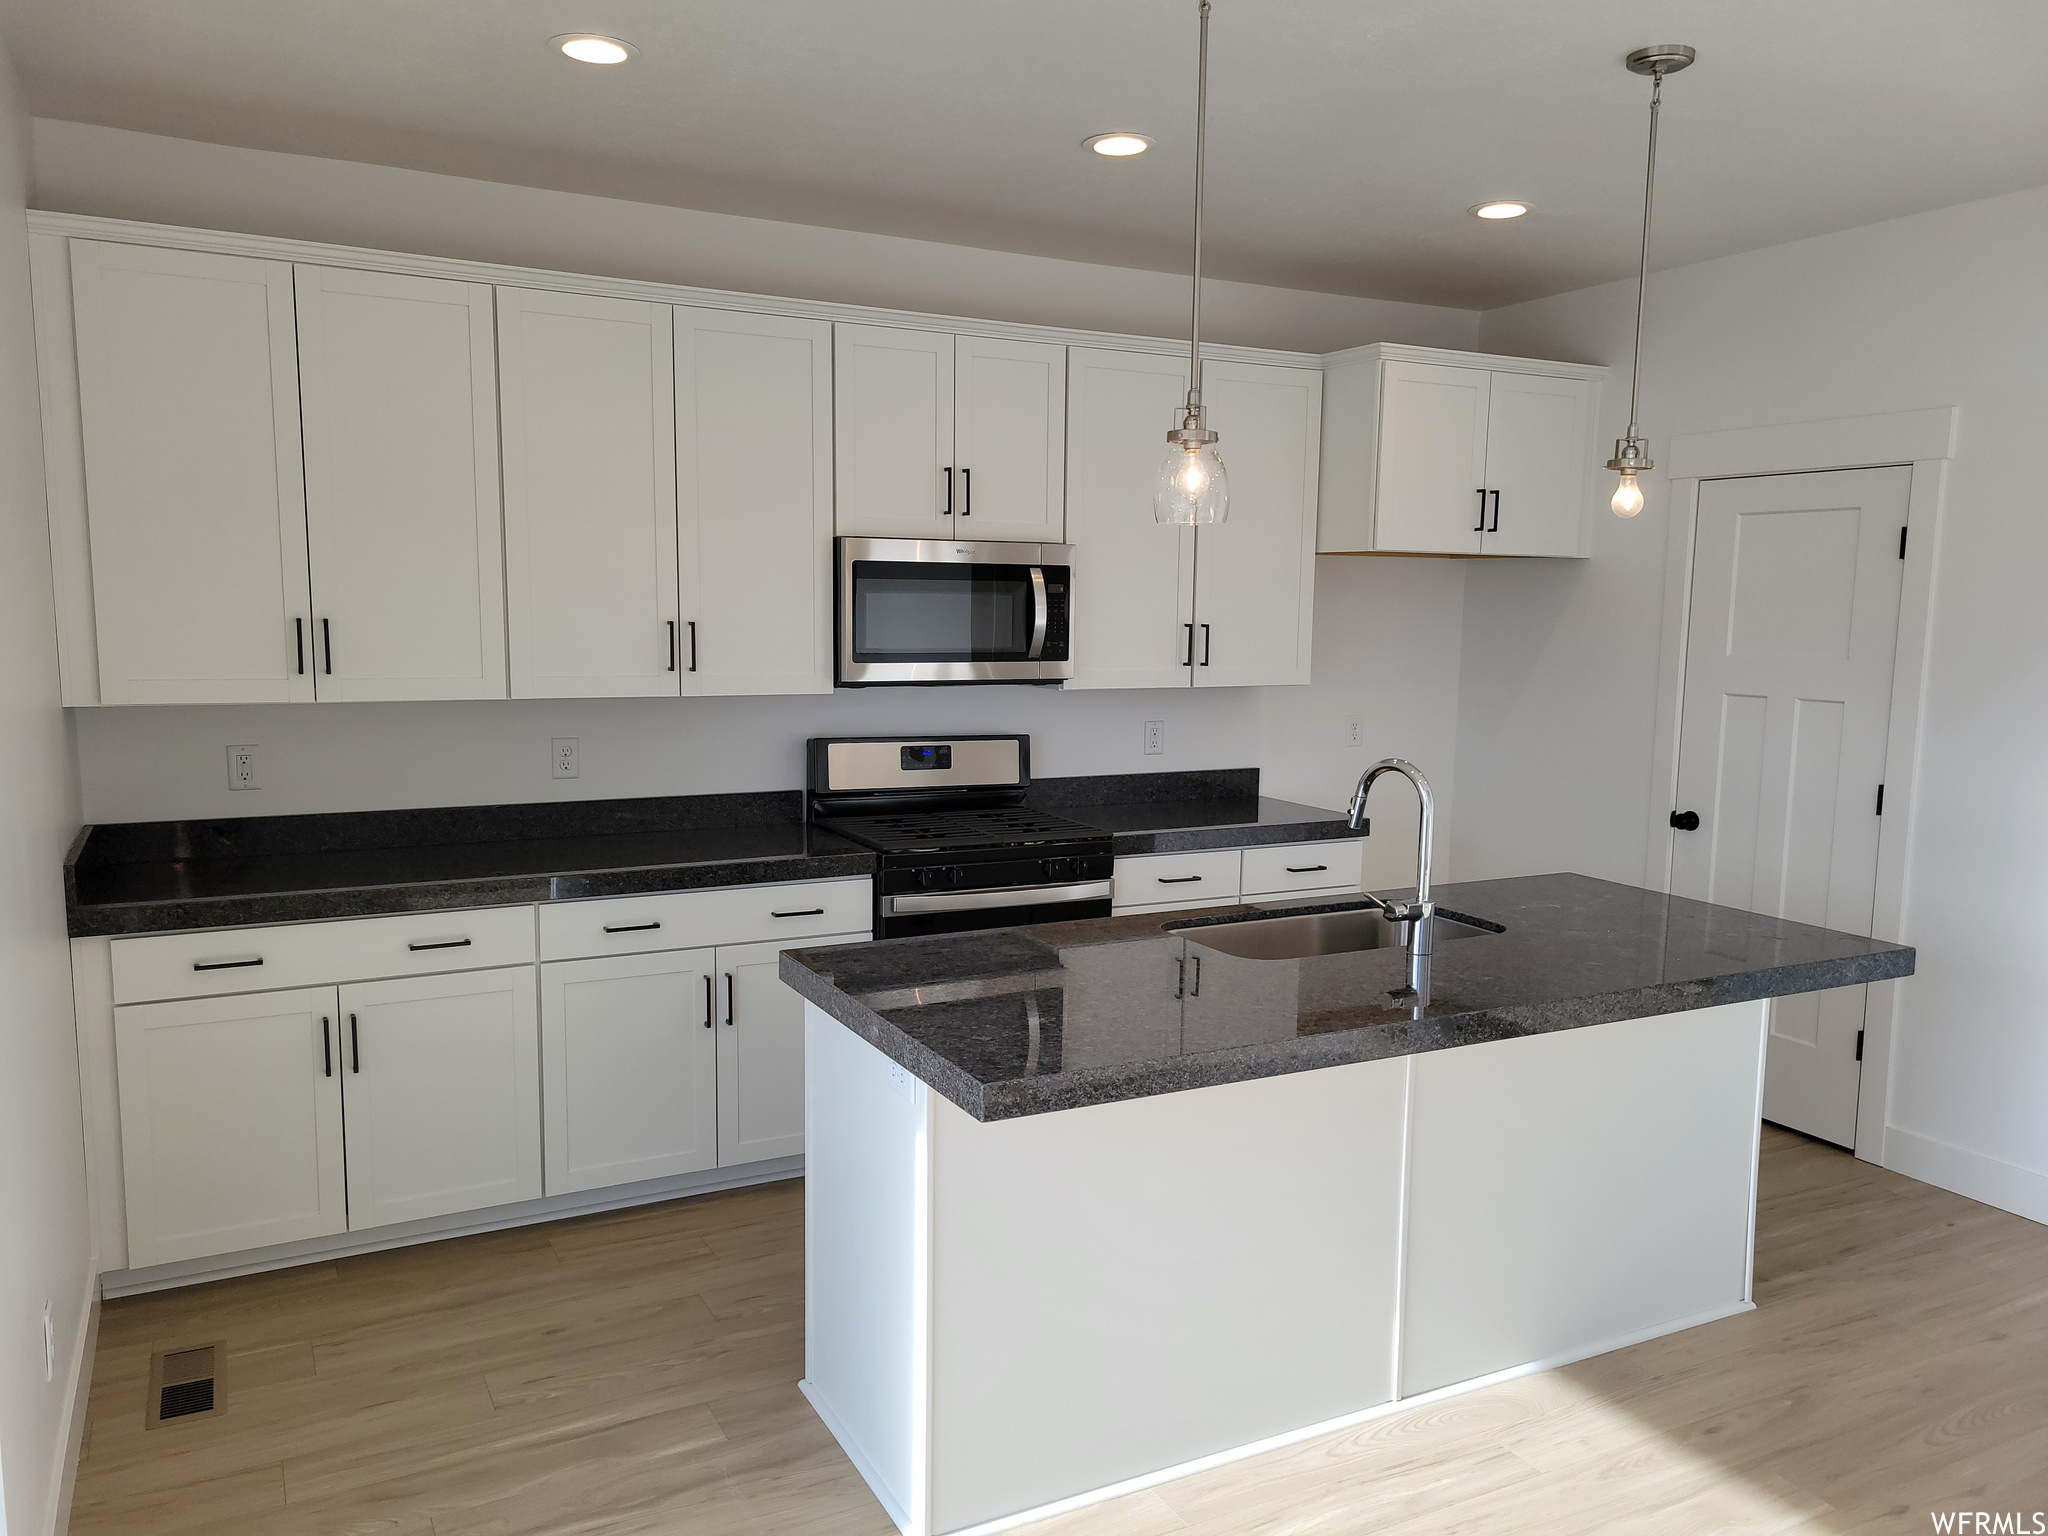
1193, 488
1628, 496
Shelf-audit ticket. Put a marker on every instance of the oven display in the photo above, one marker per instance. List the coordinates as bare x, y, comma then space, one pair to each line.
928, 757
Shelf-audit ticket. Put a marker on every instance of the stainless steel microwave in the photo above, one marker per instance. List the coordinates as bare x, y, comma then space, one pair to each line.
945, 611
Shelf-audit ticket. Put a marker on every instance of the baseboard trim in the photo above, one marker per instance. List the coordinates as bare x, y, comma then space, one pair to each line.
162, 1277
77, 1393
861, 1464
2008, 1186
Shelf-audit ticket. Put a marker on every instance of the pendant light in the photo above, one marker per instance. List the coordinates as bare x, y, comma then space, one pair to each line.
1193, 489
1631, 453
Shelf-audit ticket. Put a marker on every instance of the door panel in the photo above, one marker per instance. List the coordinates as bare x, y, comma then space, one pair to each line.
1432, 458
1787, 702
400, 400
1538, 432
893, 411
189, 402
754, 501
628, 1069
1134, 579
760, 1056
590, 496
1009, 438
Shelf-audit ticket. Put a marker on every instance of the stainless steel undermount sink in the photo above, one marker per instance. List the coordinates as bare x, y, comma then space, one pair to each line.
1316, 933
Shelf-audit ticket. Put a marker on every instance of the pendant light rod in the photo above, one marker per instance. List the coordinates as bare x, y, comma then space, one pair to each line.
1635, 373
1201, 156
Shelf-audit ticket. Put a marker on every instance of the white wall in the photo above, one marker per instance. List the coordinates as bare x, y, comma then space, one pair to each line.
43, 1234
85, 169
1559, 672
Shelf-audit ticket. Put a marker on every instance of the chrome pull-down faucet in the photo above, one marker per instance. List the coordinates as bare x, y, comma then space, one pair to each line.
1417, 914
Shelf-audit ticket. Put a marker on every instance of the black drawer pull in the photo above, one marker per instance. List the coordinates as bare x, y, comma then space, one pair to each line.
1306, 869
807, 912
439, 944
1177, 879
225, 965
632, 927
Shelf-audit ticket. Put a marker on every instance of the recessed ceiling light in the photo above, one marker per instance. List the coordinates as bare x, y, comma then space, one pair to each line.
1501, 210
590, 48
1118, 146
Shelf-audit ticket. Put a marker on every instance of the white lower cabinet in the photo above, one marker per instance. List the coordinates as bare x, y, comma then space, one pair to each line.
442, 1094
629, 1070
231, 1123
760, 1058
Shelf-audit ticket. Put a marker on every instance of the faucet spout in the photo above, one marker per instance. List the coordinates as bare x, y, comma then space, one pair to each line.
1419, 914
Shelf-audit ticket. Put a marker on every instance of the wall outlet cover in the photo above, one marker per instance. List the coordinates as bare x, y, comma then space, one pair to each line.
565, 763
1354, 730
242, 767
1155, 737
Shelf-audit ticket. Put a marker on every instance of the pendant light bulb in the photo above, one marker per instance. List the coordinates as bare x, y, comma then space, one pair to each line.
1192, 489
1628, 496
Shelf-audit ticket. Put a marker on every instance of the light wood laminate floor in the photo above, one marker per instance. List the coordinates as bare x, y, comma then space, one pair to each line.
635, 1372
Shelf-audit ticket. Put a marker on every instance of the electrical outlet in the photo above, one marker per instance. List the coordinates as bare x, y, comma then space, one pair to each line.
1354, 730
1155, 737
565, 757
242, 767
49, 1345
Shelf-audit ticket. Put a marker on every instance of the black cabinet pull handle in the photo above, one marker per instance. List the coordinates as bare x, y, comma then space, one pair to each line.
1176, 879
1205, 645
1189, 661
1306, 869
1180, 977
299, 642
807, 912
1480, 526
632, 927
439, 944
948, 473
966, 496
707, 999
693, 645
1686, 821
728, 1000
1195, 983
355, 1046
326, 1049
327, 645
225, 965
1496, 511
671, 645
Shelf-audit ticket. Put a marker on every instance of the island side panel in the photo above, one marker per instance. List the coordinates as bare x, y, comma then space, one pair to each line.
1124, 1288
865, 1258
1572, 1192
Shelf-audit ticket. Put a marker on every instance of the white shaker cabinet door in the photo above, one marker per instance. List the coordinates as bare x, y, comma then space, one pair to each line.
189, 401
230, 1123
753, 399
441, 1094
399, 395
1539, 449
586, 387
1134, 578
1432, 458
628, 1068
893, 417
1009, 437
1255, 572
760, 1055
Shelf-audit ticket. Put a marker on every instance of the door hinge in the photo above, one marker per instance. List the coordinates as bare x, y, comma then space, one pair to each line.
1859, 1045
1902, 543
1880, 799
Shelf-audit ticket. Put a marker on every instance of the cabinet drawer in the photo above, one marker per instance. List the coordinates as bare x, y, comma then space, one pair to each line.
223, 960
1303, 867
731, 914
1177, 879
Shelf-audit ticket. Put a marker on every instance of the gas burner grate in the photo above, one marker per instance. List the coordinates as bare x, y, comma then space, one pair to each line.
937, 830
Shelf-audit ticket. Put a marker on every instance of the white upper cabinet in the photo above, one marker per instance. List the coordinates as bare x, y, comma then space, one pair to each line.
398, 395
893, 414
1009, 439
753, 407
1255, 571
587, 396
1455, 454
1134, 582
189, 404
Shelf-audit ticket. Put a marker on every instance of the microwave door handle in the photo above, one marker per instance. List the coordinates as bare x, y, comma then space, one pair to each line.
1039, 613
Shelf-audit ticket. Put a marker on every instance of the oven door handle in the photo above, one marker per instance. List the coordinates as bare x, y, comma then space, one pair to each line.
1010, 896
1040, 612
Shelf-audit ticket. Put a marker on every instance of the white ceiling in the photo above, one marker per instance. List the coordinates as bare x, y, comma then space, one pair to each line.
1347, 139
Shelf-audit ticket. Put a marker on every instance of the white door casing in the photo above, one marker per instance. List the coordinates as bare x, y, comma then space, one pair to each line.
892, 396
1785, 714
1432, 457
1009, 439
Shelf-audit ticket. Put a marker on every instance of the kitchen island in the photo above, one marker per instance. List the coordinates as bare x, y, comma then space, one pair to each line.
1094, 1204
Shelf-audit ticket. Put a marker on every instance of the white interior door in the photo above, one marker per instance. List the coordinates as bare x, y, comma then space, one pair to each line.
629, 1073
1255, 572
230, 1123
892, 399
587, 394
1009, 437
1134, 579
441, 1099
188, 388
1432, 458
1794, 621
399, 394
754, 501
1538, 433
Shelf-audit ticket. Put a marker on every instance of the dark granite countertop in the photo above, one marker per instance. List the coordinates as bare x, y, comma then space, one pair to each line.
151, 877
1022, 1021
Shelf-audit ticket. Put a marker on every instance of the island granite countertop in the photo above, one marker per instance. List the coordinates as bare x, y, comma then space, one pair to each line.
161, 876
1023, 1021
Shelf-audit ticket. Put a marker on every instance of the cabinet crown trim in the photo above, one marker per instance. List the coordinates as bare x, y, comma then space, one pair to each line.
1401, 352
